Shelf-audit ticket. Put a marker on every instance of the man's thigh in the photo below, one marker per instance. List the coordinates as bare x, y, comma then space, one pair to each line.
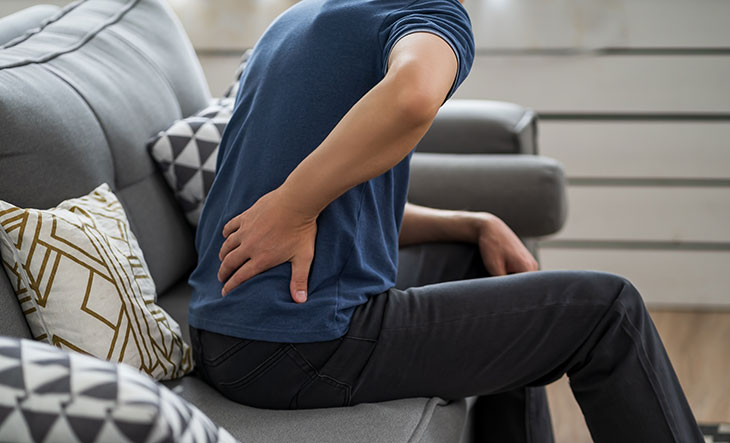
429, 263
518, 415
478, 337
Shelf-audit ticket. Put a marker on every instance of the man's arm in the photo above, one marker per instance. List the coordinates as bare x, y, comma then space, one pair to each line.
502, 251
376, 134
382, 127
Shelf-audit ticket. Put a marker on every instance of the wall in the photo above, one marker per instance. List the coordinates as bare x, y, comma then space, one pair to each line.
634, 99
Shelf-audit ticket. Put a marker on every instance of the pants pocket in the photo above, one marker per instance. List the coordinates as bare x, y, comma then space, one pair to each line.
212, 349
273, 384
322, 391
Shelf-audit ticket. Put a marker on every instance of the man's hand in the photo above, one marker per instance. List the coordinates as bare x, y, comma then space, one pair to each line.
502, 252
373, 136
267, 234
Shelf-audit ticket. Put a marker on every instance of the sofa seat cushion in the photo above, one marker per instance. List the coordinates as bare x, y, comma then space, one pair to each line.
409, 420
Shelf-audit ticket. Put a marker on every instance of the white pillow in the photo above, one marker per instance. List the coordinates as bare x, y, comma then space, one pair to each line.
83, 284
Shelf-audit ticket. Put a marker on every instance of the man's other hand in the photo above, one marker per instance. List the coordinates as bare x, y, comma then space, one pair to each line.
502, 251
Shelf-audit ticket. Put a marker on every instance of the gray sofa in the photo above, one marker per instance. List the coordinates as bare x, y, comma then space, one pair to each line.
83, 88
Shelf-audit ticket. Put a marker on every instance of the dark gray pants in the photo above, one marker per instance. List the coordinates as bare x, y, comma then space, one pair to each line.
500, 338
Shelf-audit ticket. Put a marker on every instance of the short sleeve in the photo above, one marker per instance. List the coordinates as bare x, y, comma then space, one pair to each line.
446, 18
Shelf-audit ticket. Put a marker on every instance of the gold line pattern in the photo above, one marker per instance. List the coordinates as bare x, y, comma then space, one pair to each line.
90, 288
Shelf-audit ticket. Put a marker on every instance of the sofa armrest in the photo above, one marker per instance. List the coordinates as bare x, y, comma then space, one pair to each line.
527, 192
481, 127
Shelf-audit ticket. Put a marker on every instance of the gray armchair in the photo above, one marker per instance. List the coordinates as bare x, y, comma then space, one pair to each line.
62, 134
482, 156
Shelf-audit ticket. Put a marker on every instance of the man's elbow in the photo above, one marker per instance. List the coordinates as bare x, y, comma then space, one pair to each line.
415, 97
418, 106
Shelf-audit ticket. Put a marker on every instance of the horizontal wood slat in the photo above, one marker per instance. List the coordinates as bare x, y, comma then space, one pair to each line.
503, 24
529, 24
631, 213
595, 84
665, 278
625, 149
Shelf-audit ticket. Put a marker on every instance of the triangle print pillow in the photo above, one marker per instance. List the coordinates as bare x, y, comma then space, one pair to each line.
48, 395
83, 284
187, 153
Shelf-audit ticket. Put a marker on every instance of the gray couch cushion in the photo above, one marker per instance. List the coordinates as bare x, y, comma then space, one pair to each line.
526, 191
481, 127
79, 98
410, 420
175, 302
12, 320
24, 21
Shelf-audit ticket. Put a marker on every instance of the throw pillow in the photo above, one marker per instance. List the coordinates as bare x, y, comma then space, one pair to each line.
186, 153
83, 284
233, 88
50, 395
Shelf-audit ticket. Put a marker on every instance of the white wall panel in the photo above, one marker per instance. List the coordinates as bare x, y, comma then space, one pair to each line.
586, 24
227, 24
504, 24
500, 24
615, 84
665, 278
630, 149
647, 213
219, 71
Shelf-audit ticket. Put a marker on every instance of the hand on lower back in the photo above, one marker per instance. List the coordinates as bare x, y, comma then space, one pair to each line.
502, 251
268, 234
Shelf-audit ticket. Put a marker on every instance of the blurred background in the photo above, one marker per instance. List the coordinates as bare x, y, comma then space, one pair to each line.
634, 100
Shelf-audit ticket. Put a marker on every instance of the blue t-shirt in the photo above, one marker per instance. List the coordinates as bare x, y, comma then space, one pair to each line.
313, 63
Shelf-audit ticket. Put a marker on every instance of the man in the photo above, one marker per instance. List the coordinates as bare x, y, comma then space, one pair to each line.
294, 304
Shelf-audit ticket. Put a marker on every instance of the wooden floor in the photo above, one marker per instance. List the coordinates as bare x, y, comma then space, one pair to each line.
698, 343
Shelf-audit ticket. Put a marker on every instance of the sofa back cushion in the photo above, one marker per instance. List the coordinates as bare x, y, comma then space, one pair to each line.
80, 96
15, 25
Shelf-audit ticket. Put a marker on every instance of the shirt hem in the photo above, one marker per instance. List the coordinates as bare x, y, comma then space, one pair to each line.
269, 335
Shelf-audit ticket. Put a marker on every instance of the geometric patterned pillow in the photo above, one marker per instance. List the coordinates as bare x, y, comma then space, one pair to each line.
186, 153
233, 88
83, 284
49, 395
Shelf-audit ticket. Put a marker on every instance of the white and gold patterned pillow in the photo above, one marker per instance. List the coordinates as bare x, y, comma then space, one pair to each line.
83, 284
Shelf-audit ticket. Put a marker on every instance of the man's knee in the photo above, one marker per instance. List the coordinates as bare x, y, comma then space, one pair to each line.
602, 288
619, 292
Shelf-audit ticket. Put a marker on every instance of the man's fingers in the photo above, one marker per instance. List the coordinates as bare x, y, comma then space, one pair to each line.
248, 270
229, 244
230, 227
300, 266
233, 260
496, 267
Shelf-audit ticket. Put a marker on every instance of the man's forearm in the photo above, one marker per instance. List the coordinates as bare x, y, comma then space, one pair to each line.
371, 138
423, 225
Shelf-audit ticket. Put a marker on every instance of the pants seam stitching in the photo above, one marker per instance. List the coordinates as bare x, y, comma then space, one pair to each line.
648, 370
491, 314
